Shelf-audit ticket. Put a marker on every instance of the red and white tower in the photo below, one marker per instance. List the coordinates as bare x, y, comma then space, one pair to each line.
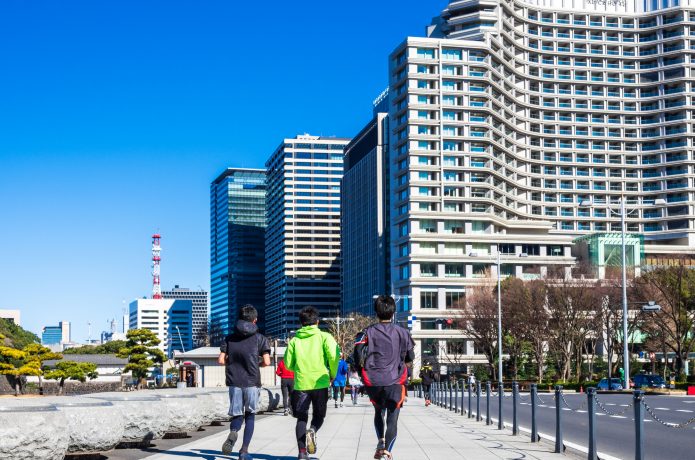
156, 250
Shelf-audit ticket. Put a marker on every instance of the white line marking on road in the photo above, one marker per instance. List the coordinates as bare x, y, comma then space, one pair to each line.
610, 404
661, 408
581, 411
617, 416
684, 410
624, 405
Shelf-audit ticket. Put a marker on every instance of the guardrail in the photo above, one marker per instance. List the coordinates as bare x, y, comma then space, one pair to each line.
446, 395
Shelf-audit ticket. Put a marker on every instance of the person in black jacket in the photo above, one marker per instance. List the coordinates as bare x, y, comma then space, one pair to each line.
427, 376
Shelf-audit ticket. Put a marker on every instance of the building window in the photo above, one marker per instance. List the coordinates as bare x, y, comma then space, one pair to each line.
454, 270
428, 300
428, 270
455, 300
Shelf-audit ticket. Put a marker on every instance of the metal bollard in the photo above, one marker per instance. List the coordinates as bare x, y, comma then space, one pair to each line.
639, 424
591, 407
488, 390
500, 397
470, 402
534, 425
515, 403
433, 393
558, 420
451, 393
478, 417
456, 397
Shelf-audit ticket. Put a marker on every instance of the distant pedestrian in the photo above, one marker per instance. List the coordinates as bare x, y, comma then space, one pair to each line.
383, 352
286, 385
355, 385
340, 381
427, 377
313, 355
239, 353
189, 379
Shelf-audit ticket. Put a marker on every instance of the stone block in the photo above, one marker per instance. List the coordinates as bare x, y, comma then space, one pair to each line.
32, 429
145, 416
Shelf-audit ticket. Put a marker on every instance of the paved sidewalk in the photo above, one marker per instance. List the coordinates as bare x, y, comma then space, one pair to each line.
424, 433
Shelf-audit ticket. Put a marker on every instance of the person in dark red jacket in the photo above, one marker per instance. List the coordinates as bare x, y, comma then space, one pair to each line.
286, 384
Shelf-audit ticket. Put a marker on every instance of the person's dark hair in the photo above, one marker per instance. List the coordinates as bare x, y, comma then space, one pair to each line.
248, 313
385, 307
308, 316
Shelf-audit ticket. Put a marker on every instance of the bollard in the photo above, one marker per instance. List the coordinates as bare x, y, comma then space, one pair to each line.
591, 408
451, 391
419, 391
639, 424
488, 390
558, 420
500, 397
477, 402
515, 402
456, 397
534, 426
470, 402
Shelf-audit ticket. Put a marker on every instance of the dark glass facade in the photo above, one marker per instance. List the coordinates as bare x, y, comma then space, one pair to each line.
237, 248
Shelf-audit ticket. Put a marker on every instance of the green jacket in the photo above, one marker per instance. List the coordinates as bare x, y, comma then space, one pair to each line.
313, 356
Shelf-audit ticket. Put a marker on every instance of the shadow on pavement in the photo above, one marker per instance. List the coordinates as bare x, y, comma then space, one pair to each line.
217, 454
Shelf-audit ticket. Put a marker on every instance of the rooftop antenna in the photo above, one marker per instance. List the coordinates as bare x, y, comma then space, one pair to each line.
156, 259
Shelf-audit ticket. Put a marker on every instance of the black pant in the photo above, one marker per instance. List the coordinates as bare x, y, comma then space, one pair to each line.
287, 386
338, 392
301, 400
387, 404
426, 388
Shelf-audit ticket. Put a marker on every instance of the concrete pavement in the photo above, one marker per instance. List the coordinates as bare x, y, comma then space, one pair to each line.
424, 433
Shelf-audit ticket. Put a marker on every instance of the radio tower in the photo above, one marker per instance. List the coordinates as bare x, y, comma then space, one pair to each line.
156, 250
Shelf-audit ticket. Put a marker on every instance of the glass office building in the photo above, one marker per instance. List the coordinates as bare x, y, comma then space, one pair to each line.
303, 234
519, 127
237, 247
199, 297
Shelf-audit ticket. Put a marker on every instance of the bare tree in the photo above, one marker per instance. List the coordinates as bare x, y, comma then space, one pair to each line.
673, 288
572, 304
481, 323
348, 330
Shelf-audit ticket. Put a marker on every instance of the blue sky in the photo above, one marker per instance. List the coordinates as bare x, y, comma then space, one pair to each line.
115, 116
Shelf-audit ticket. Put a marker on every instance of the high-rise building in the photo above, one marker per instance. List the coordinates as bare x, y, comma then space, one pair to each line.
12, 315
199, 298
56, 335
521, 128
303, 234
237, 247
365, 218
171, 320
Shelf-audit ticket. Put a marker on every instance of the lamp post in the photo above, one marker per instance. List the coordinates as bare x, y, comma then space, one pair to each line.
338, 320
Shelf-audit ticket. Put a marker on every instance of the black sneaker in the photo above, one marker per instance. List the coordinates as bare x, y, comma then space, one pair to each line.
303, 455
311, 441
228, 445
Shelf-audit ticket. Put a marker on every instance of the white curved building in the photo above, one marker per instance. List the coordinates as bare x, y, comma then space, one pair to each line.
520, 127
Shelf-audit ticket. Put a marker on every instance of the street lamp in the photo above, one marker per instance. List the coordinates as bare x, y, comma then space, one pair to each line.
622, 213
338, 320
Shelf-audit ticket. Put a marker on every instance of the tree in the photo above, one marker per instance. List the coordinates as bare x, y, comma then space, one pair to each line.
537, 322
70, 370
516, 299
13, 362
481, 323
141, 352
572, 304
673, 288
37, 353
348, 330
108, 348
16, 336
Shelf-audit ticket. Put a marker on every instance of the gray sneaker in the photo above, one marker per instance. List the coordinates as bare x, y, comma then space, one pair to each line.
228, 445
311, 441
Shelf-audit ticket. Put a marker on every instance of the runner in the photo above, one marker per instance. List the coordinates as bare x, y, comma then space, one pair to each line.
355, 385
239, 354
313, 355
340, 381
427, 377
383, 353
286, 385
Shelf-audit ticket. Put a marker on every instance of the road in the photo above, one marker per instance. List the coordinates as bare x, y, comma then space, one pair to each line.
616, 432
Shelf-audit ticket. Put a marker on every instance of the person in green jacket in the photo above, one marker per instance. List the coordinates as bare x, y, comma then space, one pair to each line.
313, 356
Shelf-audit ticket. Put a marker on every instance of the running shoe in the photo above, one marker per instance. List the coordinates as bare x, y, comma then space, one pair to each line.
380, 448
245, 456
228, 445
286, 413
336, 404
303, 455
311, 441
386, 455
341, 404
